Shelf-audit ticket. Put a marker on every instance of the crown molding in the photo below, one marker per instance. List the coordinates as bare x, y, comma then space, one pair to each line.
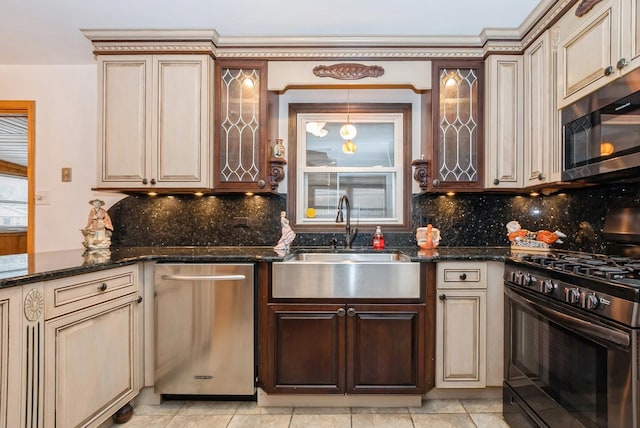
152, 41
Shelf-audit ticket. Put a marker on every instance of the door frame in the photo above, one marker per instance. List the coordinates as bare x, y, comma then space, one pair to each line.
27, 108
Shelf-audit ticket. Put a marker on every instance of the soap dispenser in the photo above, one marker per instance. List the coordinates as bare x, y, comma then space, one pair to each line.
378, 239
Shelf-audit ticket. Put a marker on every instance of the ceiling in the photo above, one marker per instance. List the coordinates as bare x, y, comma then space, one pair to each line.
48, 32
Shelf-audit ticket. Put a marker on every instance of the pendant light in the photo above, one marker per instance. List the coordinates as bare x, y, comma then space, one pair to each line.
348, 131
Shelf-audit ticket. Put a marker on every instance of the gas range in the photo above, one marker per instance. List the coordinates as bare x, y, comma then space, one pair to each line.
598, 285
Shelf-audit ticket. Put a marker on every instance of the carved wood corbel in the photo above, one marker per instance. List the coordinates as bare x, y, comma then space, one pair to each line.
348, 71
585, 6
276, 172
421, 172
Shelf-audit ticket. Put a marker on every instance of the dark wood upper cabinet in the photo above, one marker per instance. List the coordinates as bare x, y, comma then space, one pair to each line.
456, 145
241, 144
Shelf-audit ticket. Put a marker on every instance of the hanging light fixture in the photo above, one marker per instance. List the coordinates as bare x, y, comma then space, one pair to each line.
348, 131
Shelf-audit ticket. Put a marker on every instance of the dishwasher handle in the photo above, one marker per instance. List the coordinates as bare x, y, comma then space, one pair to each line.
204, 277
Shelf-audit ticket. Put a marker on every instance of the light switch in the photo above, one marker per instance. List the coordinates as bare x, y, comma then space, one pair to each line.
66, 175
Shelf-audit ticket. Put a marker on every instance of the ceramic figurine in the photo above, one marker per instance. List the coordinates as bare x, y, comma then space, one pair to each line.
541, 239
428, 237
97, 232
288, 235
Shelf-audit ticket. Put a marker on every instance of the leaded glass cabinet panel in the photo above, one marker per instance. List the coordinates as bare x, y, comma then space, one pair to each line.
457, 126
241, 126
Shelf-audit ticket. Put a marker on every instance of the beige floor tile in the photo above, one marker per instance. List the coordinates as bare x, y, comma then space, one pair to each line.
321, 410
209, 408
374, 420
166, 408
379, 410
146, 422
488, 420
320, 421
251, 408
262, 421
452, 420
438, 406
199, 421
483, 406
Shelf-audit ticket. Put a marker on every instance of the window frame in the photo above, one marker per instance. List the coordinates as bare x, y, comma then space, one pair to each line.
295, 109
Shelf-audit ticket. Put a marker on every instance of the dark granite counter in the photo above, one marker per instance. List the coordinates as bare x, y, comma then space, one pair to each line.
25, 268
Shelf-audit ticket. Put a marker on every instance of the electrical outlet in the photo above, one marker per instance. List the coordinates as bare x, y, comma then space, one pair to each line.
42, 197
241, 221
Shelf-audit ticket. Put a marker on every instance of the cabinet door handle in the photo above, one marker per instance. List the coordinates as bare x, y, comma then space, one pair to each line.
442, 297
608, 71
139, 299
622, 63
261, 183
153, 181
351, 312
341, 312
436, 182
102, 287
463, 276
540, 177
145, 181
496, 181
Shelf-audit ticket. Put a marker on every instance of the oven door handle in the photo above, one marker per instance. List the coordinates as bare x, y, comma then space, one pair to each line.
588, 329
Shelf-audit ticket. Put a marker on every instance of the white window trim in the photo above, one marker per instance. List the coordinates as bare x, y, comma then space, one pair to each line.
398, 191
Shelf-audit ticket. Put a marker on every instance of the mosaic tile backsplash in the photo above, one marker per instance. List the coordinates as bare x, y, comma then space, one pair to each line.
464, 220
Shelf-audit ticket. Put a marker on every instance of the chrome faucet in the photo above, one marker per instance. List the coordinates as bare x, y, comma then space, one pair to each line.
350, 233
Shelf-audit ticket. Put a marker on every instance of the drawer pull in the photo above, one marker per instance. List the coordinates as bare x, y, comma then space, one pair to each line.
463, 276
102, 287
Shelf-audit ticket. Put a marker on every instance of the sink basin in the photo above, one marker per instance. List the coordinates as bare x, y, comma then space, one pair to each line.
338, 257
341, 275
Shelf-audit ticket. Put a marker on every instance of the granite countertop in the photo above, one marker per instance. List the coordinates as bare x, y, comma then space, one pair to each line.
25, 268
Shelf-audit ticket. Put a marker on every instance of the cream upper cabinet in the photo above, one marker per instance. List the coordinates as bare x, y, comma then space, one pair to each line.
503, 121
596, 47
155, 121
542, 143
469, 320
10, 356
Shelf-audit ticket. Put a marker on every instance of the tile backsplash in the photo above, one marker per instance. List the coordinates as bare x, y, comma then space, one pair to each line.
475, 219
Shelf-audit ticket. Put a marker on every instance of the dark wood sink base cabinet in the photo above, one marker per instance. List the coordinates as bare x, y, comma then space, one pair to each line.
323, 346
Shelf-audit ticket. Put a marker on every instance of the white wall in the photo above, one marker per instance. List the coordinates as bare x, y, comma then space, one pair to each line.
66, 136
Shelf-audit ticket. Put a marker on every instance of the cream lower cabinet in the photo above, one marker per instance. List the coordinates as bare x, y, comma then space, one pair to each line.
469, 305
10, 356
92, 346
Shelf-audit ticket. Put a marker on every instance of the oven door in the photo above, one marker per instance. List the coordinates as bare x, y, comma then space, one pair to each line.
568, 370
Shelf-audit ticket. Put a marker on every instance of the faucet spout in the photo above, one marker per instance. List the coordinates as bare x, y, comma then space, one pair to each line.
350, 233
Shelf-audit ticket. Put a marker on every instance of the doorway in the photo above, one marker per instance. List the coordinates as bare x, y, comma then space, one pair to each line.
17, 179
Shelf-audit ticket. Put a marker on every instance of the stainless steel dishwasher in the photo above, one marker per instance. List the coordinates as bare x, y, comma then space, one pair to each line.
204, 320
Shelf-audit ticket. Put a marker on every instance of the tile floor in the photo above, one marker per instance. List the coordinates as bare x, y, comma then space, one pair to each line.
240, 414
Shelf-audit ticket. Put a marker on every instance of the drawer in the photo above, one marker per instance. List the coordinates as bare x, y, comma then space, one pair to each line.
82, 291
462, 275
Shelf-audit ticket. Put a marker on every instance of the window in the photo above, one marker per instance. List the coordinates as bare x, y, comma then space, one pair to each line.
13, 203
374, 178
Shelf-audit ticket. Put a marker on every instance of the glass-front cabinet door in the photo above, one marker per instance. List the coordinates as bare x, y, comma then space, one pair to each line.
457, 126
241, 126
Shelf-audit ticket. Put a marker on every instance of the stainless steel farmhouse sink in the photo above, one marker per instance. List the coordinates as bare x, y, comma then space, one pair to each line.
359, 275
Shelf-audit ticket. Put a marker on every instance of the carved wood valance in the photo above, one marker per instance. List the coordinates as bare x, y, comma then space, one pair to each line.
348, 71
585, 6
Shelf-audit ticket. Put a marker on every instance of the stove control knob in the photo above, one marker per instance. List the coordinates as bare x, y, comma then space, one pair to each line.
528, 280
547, 286
572, 295
590, 301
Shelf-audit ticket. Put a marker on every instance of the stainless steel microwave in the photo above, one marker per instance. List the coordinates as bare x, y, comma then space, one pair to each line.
601, 133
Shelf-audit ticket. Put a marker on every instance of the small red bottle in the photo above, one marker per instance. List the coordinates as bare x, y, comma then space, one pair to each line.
378, 239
